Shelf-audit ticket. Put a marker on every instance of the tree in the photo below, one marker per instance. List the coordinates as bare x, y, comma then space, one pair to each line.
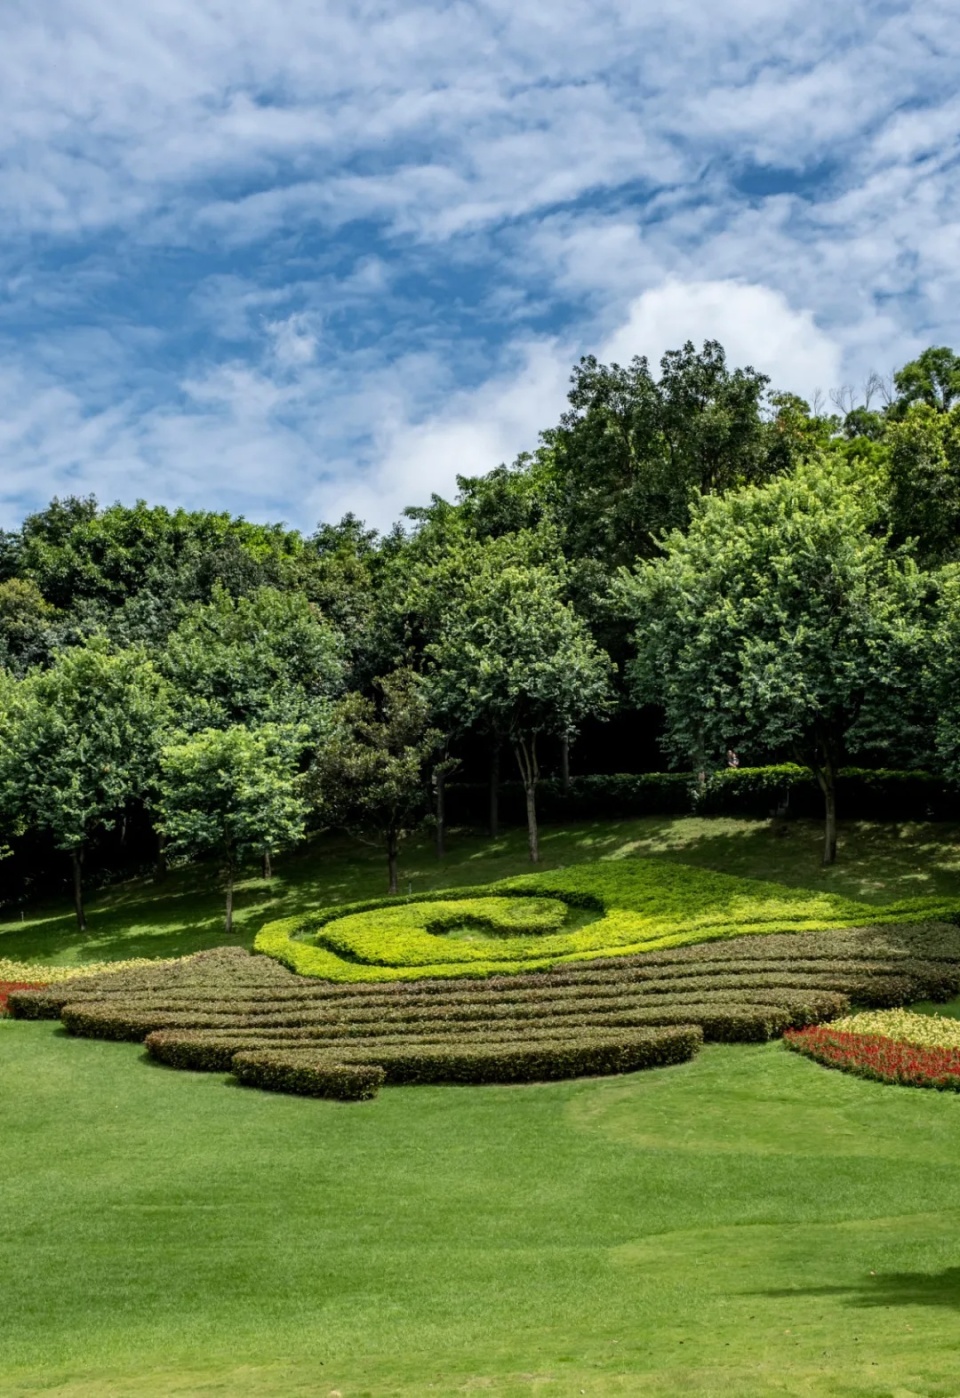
633, 451
932, 378
370, 776
512, 657
83, 742
268, 657
780, 624
231, 792
924, 473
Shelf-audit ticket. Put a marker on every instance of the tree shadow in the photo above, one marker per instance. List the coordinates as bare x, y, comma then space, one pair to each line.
887, 1289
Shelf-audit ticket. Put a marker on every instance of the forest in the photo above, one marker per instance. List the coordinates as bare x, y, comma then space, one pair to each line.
692, 570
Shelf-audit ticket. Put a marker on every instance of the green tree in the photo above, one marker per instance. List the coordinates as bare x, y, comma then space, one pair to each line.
370, 776
83, 742
924, 472
267, 657
513, 658
932, 378
633, 451
232, 793
780, 624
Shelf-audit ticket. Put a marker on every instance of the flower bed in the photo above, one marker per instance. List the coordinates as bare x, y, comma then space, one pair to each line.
892, 1046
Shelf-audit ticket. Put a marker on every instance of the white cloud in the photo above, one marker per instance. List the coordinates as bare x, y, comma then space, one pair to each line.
755, 324
396, 227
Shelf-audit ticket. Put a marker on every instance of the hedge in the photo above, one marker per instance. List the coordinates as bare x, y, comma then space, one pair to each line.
489, 1063
203, 1012
785, 789
309, 1077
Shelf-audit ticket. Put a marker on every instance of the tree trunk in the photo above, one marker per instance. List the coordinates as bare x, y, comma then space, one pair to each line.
830, 822
160, 867
392, 862
267, 869
229, 919
565, 764
76, 859
494, 807
441, 777
526, 750
826, 770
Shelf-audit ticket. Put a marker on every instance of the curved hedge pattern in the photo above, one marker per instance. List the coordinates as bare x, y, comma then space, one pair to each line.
231, 1011
609, 908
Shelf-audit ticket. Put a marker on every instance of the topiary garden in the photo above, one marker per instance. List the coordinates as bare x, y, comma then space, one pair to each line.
600, 968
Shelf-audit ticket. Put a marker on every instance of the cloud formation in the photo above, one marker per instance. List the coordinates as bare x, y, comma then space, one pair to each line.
291, 258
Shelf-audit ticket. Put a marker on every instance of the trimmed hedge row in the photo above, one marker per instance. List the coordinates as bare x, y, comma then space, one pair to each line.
586, 1056
787, 789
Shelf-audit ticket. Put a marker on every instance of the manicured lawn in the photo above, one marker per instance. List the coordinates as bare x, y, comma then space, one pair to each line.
879, 863
746, 1224
743, 1225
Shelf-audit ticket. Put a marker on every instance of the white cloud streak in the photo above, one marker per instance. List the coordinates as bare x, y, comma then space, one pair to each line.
401, 224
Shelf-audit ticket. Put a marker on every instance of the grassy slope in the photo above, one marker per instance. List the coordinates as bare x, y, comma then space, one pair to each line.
183, 914
747, 1224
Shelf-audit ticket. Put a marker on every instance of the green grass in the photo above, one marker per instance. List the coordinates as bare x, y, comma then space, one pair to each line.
878, 863
745, 1224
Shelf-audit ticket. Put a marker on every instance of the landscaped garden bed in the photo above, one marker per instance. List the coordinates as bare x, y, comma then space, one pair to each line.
547, 920
228, 1010
892, 1046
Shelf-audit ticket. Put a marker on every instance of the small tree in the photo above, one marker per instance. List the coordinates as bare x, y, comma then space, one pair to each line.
780, 623
514, 658
370, 778
231, 792
83, 741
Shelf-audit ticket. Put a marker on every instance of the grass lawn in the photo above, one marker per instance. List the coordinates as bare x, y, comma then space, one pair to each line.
184, 913
746, 1224
743, 1225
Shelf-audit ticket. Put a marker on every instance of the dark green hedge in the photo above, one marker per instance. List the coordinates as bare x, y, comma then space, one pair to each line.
862, 794
280, 1071
586, 1056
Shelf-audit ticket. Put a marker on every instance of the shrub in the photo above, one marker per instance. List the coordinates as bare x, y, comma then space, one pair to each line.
904, 1027
8, 988
492, 1063
308, 1076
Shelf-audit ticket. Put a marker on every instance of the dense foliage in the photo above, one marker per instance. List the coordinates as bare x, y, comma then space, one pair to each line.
691, 553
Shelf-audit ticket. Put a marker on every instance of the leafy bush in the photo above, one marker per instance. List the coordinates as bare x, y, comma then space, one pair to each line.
905, 1027
7, 988
309, 1076
591, 1054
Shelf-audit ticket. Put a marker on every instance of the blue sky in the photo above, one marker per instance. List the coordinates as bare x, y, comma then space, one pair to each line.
294, 258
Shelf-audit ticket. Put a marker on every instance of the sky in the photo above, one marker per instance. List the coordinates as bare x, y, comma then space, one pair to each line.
291, 258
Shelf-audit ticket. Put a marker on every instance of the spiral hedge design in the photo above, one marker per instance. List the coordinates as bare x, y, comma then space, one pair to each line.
547, 920
229, 1011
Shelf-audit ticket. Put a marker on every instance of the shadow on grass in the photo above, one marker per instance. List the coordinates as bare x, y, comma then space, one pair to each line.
887, 1289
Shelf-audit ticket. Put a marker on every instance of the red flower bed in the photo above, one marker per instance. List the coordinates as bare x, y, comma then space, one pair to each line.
875, 1056
7, 986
